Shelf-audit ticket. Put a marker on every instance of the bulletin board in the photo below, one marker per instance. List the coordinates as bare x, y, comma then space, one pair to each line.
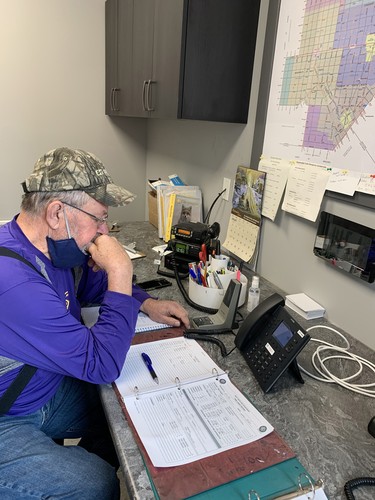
318, 80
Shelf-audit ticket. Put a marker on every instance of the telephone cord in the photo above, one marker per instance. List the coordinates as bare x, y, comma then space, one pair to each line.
208, 310
356, 483
319, 363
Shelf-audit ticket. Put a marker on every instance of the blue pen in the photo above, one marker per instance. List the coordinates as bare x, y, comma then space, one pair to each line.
192, 274
199, 275
146, 358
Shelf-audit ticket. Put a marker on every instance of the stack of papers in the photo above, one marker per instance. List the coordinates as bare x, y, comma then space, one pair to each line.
304, 305
173, 180
154, 183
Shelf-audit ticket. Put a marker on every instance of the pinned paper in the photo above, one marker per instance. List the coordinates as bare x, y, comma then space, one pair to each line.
277, 171
305, 189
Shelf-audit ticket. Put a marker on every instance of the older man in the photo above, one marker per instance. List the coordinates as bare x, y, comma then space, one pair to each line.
61, 235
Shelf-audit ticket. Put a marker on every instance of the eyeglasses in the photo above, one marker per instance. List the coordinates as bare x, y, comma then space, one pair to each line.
98, 220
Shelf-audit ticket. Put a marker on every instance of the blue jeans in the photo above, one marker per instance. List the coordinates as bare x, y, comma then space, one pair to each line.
33, 466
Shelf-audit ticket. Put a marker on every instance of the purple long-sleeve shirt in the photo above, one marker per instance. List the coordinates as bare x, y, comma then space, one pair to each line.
40, 323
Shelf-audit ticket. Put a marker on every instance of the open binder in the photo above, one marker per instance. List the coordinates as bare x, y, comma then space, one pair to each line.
213, 473
266, 466
196, 410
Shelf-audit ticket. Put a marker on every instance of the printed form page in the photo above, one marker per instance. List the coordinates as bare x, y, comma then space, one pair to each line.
187, 421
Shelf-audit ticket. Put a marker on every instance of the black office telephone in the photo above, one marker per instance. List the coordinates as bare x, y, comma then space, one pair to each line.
270, 340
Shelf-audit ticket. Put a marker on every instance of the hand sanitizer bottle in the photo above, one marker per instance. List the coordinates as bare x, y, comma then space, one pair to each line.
254, 293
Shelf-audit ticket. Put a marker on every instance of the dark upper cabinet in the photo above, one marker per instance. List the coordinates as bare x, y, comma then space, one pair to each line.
190, 59
143, 50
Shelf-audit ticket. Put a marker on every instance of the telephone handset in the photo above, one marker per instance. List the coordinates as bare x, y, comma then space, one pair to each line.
270, 340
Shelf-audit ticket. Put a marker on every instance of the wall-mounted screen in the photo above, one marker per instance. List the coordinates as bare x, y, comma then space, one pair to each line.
346, 245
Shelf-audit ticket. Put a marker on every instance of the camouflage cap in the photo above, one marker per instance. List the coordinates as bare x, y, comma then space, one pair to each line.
65, 169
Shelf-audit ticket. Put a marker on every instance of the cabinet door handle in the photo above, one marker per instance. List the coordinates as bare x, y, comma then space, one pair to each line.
114, 91
144, 95
149, 96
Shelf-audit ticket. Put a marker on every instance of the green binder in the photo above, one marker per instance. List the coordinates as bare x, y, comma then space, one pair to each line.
269, 483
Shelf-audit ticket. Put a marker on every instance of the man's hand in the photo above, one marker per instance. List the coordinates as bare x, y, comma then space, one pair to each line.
108, 254
166, 311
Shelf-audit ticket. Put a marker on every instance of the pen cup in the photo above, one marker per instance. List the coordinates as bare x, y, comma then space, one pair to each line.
213, 297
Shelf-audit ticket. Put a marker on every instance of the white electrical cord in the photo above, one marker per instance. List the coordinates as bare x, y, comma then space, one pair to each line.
318, 363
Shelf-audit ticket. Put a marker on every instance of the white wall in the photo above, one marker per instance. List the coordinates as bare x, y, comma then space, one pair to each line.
52, 94
203, 153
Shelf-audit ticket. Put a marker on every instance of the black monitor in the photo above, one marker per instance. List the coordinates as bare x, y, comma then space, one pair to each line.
346, 245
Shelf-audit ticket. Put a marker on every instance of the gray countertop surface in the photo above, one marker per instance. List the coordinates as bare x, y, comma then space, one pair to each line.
324, 423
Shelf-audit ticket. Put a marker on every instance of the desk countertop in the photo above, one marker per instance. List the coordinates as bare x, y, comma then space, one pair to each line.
324, 424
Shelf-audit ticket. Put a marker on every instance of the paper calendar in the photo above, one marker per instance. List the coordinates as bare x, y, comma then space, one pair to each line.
245, 219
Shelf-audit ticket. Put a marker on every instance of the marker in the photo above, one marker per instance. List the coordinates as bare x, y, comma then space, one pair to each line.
146, 358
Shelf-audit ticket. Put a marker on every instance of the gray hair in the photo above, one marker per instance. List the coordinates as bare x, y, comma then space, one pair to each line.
35, 203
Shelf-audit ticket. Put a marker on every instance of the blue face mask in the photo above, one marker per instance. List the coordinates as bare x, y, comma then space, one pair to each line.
66, 253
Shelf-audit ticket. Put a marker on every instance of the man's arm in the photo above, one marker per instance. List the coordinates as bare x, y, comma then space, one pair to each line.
108, 254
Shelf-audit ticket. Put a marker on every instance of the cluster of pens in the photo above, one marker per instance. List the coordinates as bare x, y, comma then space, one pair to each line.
204, 275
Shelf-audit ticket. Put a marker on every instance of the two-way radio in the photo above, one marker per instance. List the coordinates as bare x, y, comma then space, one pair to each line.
186, 243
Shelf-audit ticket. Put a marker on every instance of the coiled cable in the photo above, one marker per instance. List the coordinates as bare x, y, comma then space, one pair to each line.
356, 483
319, 363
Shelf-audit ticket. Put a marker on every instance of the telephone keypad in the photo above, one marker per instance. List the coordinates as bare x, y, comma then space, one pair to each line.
267, 358
270, 340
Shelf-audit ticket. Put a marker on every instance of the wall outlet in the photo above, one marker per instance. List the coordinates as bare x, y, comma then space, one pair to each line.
226, 186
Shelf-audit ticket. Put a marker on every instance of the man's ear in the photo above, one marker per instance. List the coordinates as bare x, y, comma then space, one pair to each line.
55, 214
